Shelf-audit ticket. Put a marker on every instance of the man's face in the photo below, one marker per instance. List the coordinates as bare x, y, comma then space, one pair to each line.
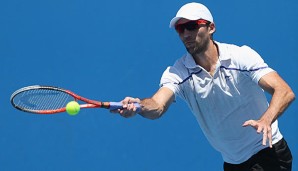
195, 35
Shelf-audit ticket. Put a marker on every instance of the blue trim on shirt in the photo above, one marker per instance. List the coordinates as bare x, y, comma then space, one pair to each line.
189, 76
241, 70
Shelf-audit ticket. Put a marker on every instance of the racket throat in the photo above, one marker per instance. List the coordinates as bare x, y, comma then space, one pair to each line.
105, 105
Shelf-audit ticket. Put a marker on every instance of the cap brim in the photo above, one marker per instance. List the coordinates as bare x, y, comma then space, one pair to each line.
174, 21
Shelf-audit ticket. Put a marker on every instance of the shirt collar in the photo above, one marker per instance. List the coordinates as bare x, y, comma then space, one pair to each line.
223, 51
189, 62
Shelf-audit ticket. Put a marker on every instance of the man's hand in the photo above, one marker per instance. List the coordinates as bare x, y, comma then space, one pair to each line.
129, 109
261, 126
150, 108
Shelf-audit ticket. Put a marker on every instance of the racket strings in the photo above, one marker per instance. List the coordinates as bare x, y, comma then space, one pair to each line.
42, 99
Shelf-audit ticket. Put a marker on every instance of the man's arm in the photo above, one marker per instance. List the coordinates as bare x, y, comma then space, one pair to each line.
151, 108
282, 96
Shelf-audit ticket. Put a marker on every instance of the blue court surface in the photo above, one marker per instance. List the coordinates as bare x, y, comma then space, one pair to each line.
106, 50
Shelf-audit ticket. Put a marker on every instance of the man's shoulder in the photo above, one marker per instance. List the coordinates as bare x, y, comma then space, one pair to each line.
180, 62
179, 68
228, 47
233, 52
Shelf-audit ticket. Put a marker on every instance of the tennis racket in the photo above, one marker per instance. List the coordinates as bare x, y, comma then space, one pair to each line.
51, 100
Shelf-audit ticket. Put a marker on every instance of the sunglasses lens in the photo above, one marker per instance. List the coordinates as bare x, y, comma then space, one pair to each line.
190, 26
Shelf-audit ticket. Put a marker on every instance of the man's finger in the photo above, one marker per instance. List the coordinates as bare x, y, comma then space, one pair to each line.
250, 122
260, 129
265, 135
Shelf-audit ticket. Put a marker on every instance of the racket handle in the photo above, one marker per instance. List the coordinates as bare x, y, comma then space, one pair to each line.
119, 105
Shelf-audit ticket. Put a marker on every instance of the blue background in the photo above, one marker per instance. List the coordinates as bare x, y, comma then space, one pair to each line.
107, 50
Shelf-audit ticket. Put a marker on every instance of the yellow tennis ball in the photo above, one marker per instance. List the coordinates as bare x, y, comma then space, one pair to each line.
73, 108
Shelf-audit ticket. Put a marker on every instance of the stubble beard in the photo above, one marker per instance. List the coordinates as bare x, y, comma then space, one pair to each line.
199, 47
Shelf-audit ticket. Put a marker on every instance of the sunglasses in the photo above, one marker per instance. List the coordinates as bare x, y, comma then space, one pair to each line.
191, 25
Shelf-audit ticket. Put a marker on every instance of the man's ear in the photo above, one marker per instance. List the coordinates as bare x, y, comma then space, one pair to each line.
212, 28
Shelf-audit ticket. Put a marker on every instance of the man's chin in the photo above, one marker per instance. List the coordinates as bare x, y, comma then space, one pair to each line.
190, 50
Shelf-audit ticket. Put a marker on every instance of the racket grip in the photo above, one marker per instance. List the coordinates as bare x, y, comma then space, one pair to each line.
119, 105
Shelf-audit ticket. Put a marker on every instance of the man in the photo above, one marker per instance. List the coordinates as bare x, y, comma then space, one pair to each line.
223, 86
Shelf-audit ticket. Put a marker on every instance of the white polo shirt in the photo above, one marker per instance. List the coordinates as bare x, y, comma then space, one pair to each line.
222, 103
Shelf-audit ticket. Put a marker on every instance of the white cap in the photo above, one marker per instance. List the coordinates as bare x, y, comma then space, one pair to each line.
192, 11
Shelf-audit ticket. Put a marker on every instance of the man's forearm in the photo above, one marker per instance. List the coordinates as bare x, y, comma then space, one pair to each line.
281, 99
151, 109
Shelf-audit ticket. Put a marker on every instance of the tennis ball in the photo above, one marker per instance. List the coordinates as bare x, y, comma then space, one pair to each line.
72, 108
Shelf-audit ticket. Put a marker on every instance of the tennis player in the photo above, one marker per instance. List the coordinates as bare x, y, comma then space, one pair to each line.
223, 86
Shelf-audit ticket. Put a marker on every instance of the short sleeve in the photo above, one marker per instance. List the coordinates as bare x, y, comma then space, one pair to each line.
252, 62
170, 79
